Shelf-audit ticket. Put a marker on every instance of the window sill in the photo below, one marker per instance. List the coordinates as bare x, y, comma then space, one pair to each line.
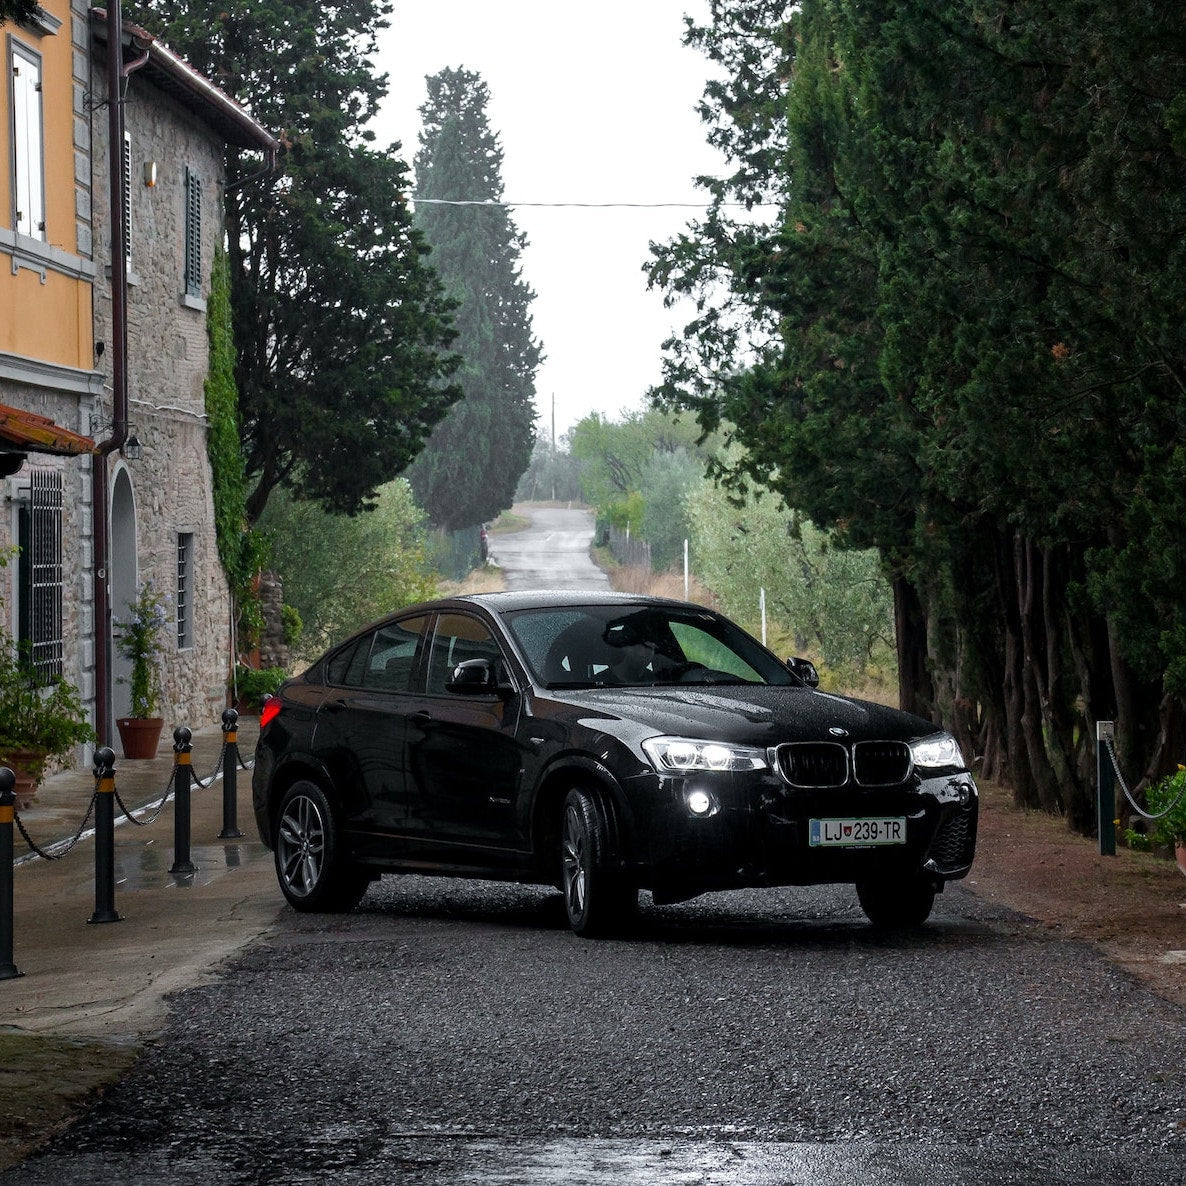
193, 302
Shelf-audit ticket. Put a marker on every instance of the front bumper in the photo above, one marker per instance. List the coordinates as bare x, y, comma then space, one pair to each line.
757, 833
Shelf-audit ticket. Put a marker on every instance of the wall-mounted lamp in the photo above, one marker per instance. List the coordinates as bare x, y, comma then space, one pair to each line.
150, 174
132, 449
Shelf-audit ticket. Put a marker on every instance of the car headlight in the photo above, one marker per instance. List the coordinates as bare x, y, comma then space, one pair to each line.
683, 755
940, 751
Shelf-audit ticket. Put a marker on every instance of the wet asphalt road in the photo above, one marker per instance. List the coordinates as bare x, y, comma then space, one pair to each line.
551, 553
457, 1032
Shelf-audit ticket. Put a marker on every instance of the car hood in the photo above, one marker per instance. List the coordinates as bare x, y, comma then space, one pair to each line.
745, 715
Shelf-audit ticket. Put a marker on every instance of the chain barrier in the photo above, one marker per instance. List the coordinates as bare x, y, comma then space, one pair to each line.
217, 771
56, 851
66, 846
143, 823
1128, 794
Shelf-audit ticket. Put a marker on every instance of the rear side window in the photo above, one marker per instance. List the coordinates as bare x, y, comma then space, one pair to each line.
339, 666
393, 654
383, 659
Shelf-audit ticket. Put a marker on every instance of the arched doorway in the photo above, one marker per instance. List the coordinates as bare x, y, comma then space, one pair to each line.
122, 581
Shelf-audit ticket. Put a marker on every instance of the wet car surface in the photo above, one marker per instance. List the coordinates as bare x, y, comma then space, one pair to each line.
604, 744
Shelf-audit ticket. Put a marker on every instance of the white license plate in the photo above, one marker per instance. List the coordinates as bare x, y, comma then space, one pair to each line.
856, 833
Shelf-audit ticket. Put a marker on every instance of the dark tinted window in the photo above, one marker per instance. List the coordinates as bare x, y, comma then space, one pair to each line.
393, 653
339, 664
458, 638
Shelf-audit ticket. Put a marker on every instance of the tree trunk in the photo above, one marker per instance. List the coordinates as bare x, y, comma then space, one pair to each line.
916, 692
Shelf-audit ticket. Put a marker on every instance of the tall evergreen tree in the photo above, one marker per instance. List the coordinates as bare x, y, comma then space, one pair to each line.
963, 351
474, 459
342, 326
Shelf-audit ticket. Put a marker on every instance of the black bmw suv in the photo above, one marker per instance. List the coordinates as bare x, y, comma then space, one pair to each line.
601, 743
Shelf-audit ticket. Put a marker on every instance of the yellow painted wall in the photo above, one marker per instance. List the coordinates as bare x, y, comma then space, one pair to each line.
49, 321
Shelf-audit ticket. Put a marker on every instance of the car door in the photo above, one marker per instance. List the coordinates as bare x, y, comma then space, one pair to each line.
464, 757
362, 729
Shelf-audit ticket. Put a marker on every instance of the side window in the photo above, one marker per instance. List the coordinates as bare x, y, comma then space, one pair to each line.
28, 133
193, 234
41, 574
185, 590
345, 663
457, 638
392, 656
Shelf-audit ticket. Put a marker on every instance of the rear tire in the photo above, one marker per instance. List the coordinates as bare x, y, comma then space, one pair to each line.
314, 872
597, 896
899, 905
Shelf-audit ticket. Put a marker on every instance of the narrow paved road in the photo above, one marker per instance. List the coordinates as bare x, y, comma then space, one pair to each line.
552, 553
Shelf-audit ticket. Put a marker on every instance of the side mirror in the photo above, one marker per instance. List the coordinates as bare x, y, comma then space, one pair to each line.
805, 670
476, 677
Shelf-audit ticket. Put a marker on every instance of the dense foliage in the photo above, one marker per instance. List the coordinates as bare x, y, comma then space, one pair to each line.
342, 326
472, 463
17, 10
340, 571
240, 549
957, 342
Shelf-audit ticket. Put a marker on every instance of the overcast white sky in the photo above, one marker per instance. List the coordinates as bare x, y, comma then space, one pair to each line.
592, 103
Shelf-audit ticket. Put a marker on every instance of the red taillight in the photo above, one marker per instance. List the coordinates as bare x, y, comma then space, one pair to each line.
269, 710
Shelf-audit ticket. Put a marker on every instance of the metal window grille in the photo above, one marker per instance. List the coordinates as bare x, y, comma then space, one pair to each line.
185, 616
193, 234
126, 180
41, 556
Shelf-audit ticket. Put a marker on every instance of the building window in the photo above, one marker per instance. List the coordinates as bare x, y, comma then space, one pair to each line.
193, 234
39, 625
28, 161
185, 590
126, 181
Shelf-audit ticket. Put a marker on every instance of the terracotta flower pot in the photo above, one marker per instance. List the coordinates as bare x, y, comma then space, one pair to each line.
28, 765
140, 736
1180, 854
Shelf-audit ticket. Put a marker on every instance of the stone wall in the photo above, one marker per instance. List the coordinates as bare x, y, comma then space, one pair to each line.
167, 366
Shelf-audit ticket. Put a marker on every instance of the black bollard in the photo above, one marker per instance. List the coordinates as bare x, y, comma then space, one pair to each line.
8, 970
182, 747
105, 838
230, 776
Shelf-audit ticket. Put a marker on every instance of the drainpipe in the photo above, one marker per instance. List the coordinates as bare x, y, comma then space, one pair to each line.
104, 722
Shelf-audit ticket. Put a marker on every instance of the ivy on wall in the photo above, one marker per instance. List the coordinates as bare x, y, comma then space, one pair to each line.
241, 550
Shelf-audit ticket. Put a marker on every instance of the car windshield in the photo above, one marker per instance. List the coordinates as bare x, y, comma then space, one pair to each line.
584, 646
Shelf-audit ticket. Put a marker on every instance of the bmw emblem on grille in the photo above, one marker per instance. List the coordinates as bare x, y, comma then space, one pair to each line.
836, 731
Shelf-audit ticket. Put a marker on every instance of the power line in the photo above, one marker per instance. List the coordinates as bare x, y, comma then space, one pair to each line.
590, 205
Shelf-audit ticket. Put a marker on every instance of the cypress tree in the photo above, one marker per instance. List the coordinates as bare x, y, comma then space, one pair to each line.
473, 461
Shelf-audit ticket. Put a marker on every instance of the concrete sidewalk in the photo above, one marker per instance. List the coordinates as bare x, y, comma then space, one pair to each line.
108, 980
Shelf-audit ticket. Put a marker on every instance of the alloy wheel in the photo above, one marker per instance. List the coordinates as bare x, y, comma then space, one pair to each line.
575, 859
300, 845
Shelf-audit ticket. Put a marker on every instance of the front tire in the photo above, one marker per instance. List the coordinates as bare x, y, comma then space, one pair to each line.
897, 905
596, 894
313, 869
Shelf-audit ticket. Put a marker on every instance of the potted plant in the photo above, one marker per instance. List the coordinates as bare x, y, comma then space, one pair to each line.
1166, 799
140, 640
39, 722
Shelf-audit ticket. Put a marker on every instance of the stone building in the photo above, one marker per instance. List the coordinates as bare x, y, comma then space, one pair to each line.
58, 351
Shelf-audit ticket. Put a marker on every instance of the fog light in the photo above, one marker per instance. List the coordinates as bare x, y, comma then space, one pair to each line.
699, 802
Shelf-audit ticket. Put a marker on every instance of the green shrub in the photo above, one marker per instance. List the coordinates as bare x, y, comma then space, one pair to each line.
251, 684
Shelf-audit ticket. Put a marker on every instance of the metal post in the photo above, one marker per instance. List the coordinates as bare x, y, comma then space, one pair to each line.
230, 776
105, 838
1105, 733
182, 747
8, 970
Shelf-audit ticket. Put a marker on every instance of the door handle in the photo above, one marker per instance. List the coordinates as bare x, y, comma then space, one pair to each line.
422, 717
